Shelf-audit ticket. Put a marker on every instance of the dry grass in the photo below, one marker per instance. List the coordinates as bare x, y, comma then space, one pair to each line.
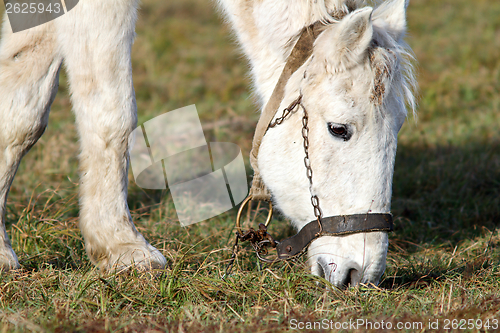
444, 254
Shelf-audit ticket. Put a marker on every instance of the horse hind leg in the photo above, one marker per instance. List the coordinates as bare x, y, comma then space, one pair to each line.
29, 72
97, 58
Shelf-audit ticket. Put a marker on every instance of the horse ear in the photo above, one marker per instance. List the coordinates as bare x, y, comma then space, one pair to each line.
391, 16
344, 44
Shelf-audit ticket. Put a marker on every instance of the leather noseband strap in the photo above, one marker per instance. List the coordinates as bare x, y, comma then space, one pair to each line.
333, 226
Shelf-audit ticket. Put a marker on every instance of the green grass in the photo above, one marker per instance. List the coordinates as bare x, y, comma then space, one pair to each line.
444, 255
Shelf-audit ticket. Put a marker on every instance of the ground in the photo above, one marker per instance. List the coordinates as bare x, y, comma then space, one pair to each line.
444, 254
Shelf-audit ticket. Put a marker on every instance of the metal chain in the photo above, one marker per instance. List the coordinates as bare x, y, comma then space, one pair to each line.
307, 162
259, 243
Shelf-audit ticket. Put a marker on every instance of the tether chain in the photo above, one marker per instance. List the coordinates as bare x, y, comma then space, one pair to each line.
307, 162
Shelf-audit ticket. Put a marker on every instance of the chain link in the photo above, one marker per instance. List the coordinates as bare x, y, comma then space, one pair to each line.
286, 112
307, 162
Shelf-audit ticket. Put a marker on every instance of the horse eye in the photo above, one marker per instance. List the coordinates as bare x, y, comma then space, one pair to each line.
340, 131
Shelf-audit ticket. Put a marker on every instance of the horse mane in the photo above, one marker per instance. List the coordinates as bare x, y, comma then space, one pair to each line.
341, 8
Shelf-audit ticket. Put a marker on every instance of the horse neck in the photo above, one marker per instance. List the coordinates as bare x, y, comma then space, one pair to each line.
267, 31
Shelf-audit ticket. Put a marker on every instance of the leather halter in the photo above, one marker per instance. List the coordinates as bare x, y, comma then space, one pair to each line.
327, 226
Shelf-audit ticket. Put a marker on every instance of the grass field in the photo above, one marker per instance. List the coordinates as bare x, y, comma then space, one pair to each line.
444, 256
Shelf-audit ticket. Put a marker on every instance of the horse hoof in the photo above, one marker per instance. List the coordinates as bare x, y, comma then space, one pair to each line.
142, 258
8, 260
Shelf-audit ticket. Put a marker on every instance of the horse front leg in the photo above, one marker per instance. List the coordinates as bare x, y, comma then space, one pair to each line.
96, 39
29, 71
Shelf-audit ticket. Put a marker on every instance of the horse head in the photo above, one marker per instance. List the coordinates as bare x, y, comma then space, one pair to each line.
354, 89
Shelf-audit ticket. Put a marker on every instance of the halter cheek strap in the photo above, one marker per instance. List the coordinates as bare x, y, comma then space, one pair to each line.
300, 53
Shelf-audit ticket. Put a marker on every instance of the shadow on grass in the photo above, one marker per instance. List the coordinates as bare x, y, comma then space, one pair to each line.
444, 199
442, 195
423, 274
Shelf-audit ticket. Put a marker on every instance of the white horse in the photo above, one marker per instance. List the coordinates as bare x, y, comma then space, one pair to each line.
355, 87
94, 41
